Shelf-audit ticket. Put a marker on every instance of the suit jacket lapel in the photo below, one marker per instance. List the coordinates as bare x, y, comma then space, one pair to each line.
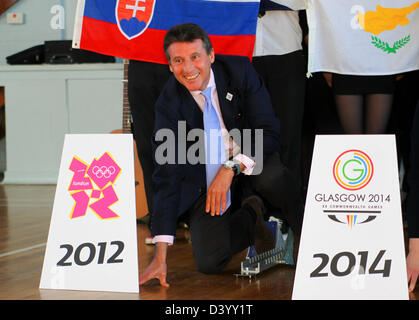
223, 84
190, 110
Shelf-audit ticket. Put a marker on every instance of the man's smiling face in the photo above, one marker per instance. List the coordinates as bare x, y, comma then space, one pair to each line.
191, 64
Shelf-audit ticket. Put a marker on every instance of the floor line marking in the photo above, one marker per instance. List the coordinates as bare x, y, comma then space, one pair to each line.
22, 250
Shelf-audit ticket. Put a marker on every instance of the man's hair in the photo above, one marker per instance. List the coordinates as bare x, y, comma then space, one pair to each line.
186, 32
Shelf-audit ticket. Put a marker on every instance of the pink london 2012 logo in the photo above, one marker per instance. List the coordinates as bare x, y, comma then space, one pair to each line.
94, 181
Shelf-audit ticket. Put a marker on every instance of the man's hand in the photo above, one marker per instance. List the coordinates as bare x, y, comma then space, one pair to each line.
413, 263
158, 267
217, 192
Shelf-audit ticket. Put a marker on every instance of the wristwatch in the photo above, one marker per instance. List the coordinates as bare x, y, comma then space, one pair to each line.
232, 165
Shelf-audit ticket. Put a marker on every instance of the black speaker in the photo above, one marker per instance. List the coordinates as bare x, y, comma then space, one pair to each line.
34, 55
61, 52
57, 52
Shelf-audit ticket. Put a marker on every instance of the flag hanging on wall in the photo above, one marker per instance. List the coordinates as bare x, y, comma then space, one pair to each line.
134, 29
363, 37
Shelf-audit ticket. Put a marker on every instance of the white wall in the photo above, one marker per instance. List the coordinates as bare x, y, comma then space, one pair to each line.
65, 96
36, 27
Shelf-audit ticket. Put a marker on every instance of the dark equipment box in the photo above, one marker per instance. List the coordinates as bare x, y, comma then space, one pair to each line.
57, 52
34, 55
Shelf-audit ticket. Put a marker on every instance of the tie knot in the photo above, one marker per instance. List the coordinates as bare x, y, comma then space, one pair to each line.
207, 94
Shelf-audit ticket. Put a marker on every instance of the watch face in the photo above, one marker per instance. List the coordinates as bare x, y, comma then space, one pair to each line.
229, 164
232, 166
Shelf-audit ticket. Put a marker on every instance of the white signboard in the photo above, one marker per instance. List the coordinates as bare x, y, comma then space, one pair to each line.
92, 241
352, 243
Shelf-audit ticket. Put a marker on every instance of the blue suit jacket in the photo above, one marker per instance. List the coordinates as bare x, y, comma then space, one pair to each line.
248, 106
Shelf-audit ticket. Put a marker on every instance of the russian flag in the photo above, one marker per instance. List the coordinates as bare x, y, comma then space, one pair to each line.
134, 29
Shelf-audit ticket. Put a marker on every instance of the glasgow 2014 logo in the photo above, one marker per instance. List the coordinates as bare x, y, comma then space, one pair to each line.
353, 170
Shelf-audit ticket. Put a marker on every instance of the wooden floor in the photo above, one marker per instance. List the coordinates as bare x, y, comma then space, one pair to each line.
25, 212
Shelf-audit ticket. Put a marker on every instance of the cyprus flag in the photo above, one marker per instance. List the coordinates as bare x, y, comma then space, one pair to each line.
363, 37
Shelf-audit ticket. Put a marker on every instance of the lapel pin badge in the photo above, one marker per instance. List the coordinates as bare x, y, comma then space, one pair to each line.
229, 96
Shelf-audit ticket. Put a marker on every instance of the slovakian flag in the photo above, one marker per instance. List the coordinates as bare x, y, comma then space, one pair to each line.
134, 29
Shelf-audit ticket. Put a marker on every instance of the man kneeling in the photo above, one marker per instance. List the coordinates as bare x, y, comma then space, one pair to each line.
221, 196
